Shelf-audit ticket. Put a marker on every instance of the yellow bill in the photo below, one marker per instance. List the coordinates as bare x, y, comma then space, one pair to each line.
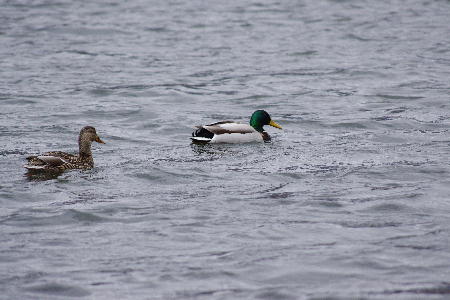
274, 124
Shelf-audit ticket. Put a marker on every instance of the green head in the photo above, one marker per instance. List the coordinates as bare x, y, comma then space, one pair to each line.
260, 118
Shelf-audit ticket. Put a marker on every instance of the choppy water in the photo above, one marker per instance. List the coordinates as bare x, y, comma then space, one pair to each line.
350, 200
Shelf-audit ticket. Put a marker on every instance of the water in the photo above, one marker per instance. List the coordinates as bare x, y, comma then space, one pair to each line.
350, 200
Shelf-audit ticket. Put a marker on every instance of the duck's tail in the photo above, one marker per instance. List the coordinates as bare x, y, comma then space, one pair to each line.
34, 163
202, 136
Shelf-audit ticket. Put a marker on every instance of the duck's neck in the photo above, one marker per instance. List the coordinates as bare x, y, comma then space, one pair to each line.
85, 148
256, 125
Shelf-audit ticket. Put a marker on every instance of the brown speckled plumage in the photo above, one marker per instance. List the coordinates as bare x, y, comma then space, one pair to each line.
58, 161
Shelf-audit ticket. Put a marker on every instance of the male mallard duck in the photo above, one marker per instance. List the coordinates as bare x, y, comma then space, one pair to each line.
57, 161
232, 132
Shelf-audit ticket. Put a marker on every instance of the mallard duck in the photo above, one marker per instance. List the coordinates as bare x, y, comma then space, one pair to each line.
232, 132
57, 161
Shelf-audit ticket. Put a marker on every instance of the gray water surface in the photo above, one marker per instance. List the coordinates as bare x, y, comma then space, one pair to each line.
349, 201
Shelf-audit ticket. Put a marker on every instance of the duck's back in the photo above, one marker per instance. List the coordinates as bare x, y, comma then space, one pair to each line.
56, 161
226, 132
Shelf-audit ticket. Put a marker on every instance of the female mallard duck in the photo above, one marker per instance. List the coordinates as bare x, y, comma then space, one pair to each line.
232, 132
57, 161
